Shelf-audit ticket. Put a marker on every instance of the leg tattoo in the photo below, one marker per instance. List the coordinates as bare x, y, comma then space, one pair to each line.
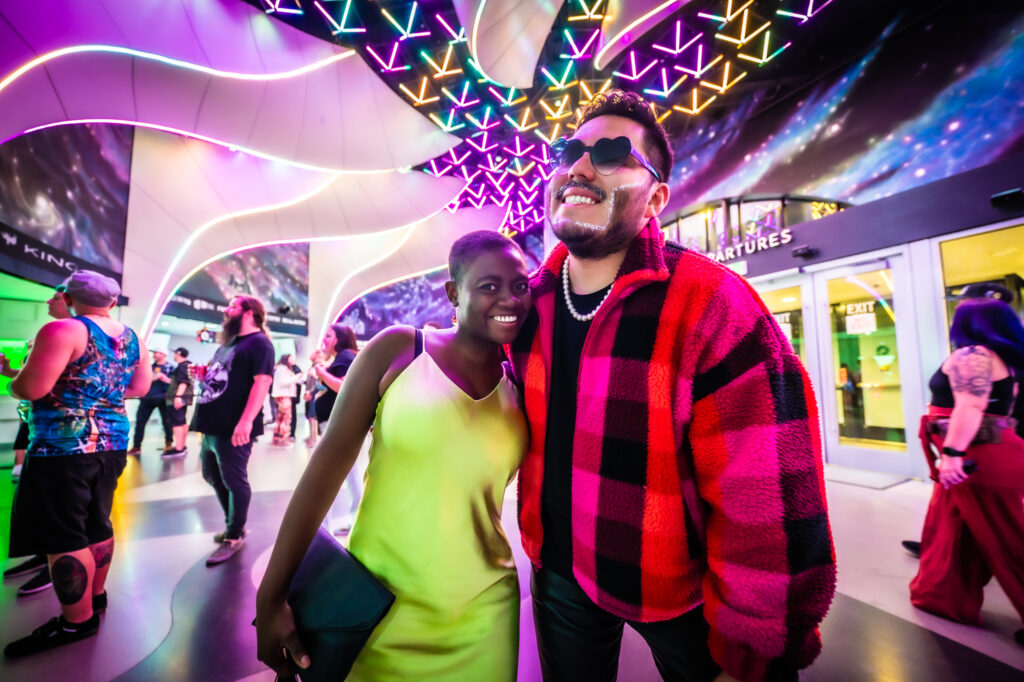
69, 579
102, 552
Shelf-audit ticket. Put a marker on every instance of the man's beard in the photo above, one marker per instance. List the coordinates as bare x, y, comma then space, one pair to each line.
584, 240
231, 327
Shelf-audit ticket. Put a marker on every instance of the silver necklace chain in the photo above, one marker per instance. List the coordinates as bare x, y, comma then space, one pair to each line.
568, 299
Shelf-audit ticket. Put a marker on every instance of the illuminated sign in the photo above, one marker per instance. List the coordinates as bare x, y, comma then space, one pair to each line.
751, 246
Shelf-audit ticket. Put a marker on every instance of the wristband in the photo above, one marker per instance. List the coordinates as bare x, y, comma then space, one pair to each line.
952, 452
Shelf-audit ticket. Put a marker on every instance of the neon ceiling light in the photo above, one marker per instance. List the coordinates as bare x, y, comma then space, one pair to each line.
473, 44
77, 49
202, 138
624, 32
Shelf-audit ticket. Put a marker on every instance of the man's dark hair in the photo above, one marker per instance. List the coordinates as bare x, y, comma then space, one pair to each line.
467, 247
632, 106
344, 338
183, 352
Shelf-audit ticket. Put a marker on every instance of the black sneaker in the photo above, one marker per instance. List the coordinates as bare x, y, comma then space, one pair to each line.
99, 602
54, 633
912, 546
25, 567
172, 454
37, 583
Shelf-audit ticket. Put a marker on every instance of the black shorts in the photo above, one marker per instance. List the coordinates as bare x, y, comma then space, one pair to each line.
311, 409
63, 503
21, 440
176, 415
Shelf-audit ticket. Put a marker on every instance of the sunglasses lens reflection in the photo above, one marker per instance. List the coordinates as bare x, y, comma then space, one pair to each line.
607, 155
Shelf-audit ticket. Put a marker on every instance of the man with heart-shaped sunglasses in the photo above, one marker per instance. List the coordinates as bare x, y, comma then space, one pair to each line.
674, 478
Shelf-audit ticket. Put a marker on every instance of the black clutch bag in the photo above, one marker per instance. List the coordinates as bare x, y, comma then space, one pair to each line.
337, 603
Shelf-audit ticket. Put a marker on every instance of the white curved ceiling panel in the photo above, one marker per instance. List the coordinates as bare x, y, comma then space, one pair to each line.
272, 89
626, 21
191, 201
506, 36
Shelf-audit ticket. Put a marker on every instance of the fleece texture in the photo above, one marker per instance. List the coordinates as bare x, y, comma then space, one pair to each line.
696, 464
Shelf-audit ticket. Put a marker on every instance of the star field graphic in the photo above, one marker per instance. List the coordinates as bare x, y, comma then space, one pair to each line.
67, 187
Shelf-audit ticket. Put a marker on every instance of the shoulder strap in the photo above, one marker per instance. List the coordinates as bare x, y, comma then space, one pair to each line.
418, 346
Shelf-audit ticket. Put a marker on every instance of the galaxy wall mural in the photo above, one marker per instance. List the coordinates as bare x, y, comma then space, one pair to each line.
416, 301
277, 275
931, 97
64, 201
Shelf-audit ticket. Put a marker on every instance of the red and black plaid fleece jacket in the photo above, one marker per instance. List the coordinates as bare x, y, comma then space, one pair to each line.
687, 389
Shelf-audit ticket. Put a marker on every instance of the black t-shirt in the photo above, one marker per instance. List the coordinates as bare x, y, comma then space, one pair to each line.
228, 382
556, 517
158, 389
338, 368
180, 376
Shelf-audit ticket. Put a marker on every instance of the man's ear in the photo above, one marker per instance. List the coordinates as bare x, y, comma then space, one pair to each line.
656, 204
452, 291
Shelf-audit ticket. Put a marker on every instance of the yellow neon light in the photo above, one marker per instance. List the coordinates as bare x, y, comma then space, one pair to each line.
421, 98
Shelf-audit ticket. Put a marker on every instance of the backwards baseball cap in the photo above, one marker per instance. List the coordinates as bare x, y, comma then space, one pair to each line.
159, 349
987, 290
92, 288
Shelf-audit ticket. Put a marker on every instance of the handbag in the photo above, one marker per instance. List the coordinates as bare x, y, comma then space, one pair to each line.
337, 603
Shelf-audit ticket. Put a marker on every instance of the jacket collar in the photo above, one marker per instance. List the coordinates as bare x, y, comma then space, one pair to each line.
644, 263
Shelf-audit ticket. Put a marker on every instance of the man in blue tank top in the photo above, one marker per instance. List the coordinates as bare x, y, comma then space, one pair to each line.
77, 376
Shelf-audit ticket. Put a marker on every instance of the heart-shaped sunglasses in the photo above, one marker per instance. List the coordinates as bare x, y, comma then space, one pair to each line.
607, 155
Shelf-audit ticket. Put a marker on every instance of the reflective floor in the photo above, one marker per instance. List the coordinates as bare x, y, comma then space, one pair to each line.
172, 618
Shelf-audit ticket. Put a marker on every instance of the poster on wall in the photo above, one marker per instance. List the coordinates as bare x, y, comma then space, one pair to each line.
64, 201
277, 275
415, 302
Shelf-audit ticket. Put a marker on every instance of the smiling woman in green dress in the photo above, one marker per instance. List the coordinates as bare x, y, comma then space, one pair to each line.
448, 437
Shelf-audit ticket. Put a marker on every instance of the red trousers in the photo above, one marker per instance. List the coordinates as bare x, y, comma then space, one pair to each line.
973, 531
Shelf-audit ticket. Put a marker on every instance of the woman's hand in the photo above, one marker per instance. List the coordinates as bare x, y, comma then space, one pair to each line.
951, 471
277, 640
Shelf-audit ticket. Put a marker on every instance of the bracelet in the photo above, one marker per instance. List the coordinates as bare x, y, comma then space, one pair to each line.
952, 452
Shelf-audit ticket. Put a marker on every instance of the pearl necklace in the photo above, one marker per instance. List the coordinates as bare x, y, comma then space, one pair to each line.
568, 299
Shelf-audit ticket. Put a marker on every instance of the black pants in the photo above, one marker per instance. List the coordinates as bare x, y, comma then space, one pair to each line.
578, 640
226, 468
295, 414
146, 407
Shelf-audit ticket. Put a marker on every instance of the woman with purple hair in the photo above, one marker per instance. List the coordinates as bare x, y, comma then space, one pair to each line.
974, 528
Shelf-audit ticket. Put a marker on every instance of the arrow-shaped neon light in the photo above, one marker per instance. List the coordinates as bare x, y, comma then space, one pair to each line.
482, 147
486, 123
765, 57
436, 172
421, 98
462, 101
448, 126
458, 37
494, 165
466, 174
579, 52
694, 108
406, 32
444, 69
522, 126
666, 89
588, 13
518, 151
730, 14
342, 27
808, 13
557, 114
726, 83
529, 186
588, 94
701, 68
635, 76
389, 65
559, 83
679, 46
550, 137
457, 159
507, 101
744, 36
520, 169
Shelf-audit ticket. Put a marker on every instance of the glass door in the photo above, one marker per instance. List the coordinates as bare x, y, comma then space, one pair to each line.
867, 360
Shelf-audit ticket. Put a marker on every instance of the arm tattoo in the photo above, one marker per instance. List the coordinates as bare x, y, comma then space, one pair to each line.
972, 372
69, 579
